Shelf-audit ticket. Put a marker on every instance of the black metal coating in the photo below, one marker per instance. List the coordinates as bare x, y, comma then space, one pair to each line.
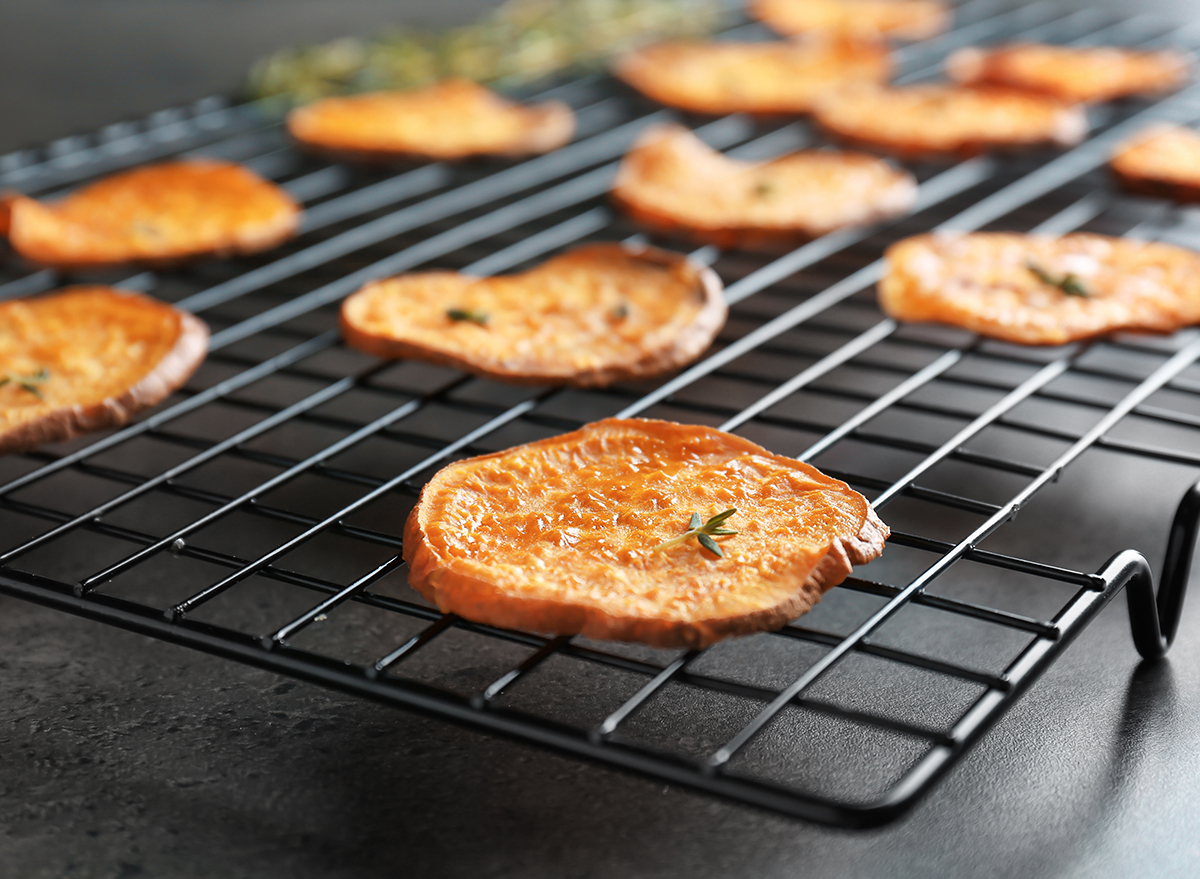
257, 514
1155, 618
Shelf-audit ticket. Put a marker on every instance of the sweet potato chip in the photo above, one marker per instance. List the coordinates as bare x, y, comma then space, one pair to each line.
1162, 161
598, 314
859, 19
580, 533
87, 358
672, 182
160, 214
1040, 290
750, 77
1071, 73
453, 119
932, 119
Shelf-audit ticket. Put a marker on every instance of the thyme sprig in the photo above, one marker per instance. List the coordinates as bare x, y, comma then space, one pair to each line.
518, 41
704, 534
475, 317
764, 189
27, 382
1069, 282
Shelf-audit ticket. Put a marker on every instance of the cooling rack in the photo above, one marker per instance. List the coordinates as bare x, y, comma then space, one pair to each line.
257, 514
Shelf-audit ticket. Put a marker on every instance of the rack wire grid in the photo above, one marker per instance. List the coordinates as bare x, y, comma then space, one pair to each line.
258, 513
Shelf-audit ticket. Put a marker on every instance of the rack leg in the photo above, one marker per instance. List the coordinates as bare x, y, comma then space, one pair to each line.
1155, 618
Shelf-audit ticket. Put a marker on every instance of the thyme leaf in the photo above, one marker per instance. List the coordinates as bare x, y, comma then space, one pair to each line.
764, 189
1070, 283
475, 317
518, 41
27, 382
703, 533
620, 311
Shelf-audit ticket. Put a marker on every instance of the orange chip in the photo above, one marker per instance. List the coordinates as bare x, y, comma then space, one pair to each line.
1039, 290
160, 214
1072, 73
598, 314
88, 358
566, 535
454, 119
1162, 161
933, 119
859, 19
750, 77
672, 182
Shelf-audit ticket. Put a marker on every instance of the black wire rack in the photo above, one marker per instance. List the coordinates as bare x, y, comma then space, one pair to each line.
257, 514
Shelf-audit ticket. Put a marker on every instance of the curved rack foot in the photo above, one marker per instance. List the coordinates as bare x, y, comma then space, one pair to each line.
1154, 619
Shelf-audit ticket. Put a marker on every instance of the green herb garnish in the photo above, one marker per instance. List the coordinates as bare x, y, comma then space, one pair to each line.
620, 311
475, 317
146, 230
27, 382
1070, 283
518, 41
703, 533
764, 189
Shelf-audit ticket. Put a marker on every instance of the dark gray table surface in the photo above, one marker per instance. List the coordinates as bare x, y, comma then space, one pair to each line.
121, 756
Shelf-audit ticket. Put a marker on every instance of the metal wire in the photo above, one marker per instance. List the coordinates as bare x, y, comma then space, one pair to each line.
286, 441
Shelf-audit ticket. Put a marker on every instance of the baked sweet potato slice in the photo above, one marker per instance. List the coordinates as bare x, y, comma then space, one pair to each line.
1039, 290
156, 215
566, 535
858, 19
936, 119
594, 315
673, 182
453, 119
1163, 161
1071, 73
764, 78
87, 358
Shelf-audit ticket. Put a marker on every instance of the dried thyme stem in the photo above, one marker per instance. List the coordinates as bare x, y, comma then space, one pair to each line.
475, 317
27, 382
703, 533
1070, 283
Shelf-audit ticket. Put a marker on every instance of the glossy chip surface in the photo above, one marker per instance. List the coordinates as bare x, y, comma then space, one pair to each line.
1072, 73
859, 19
985, 282
87, 358
672, 181
453, 119
157, 214
945, 119
594, 315
777, 77
1162, 161
559, 535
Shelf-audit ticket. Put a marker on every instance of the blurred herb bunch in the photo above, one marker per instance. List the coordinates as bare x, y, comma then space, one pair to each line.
519, 41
